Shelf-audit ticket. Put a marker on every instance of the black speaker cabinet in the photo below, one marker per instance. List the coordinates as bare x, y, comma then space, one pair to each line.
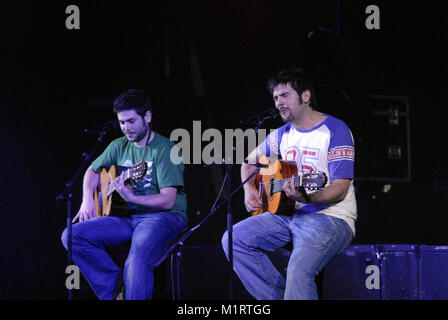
388, 272
433, 273
345, 276
399, 273
204, 274
383, 143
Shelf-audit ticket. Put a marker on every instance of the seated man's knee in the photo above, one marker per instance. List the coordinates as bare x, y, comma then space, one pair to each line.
76, 238
238, 239
64, 238
225, 242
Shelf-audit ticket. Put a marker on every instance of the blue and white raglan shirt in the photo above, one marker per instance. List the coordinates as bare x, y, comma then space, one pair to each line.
328, 147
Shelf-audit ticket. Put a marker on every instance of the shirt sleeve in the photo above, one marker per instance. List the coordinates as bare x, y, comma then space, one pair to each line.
106, 159
271, 145
168, 173
341, 153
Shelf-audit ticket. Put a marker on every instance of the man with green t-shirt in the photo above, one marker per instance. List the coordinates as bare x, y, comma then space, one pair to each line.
156, 206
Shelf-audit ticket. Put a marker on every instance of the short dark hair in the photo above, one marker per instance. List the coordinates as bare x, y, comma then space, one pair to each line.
133, 99
294, 76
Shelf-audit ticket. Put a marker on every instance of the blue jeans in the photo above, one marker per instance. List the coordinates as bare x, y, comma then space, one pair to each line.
316, 239
149, 234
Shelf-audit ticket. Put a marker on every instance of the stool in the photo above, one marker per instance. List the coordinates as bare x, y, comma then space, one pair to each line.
175, 256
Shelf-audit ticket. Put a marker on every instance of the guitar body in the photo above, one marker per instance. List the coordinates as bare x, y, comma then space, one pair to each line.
103, 202
278, 202
105, 189
269, 182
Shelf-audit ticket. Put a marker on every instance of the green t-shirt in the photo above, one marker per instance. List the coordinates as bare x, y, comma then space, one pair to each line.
161, 171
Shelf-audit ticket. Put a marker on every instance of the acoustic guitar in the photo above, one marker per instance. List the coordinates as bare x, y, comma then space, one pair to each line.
269, 182
105, 188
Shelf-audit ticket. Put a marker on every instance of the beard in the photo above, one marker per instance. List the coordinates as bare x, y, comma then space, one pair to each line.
286, 117
140, 135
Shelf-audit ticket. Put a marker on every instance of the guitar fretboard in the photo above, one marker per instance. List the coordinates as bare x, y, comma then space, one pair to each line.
277, 185
111, 188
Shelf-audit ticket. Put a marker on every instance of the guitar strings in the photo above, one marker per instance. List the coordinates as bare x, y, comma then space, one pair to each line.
277, 182
275, 185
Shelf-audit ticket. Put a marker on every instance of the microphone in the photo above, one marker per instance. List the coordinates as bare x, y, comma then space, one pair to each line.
273, 113
256, 164
111, 125
259, 118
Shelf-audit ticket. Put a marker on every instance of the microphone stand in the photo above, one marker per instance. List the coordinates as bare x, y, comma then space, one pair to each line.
256, 121
230, 223
66, 194
215, 208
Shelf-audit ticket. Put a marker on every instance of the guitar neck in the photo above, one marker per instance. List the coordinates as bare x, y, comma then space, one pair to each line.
278, 184
111, 188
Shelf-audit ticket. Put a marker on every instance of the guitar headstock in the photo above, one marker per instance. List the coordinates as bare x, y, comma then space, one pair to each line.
314, 180
137, 171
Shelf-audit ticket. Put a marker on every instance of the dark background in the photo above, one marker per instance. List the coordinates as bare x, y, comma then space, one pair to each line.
208, 61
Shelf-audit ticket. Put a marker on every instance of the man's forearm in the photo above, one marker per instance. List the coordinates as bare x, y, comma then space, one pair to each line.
246, 171
90, 182
335, 192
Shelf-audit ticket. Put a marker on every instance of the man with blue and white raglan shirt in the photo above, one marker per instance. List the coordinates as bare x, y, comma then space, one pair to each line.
323, 222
